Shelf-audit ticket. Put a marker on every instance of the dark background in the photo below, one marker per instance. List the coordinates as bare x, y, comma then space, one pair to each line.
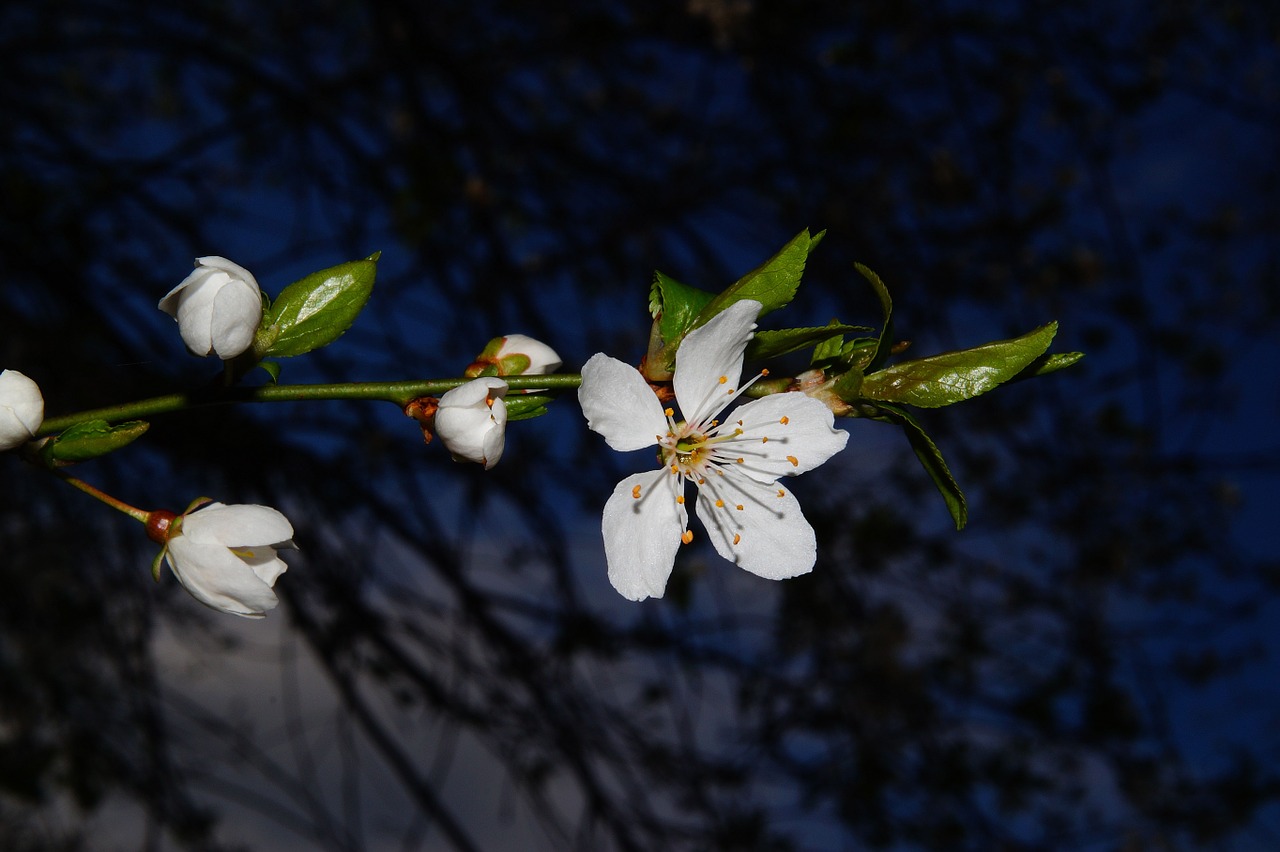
1090, 665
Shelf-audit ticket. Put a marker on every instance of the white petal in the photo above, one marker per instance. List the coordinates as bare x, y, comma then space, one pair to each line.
237, 313
806, 440
711, 353
542, 358
21, 409
215, 577
642, 535
470, 427
235, 270
619, 404
237, 526
773, 539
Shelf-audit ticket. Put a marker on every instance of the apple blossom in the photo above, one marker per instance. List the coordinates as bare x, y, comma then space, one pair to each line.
218, 308
471, 420
226, 556
21, 409
735, 462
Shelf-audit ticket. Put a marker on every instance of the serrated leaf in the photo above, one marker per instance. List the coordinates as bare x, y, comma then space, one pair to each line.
931, 460
772, 284
675, 306
885, 343
771, 344
956, 376
91, 439
316, 310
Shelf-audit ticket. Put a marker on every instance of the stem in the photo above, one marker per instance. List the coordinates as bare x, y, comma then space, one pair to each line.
119, 505
399, 393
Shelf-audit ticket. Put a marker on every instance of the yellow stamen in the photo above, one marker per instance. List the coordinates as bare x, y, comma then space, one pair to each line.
687, 536
784, 421
781, 493
670, 412
764, 372
724, 379
680, 499
635, 492
736, 538
795, 462
719, 504
765, 439
739, 507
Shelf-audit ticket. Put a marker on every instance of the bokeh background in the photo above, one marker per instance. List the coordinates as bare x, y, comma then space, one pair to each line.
1090, 665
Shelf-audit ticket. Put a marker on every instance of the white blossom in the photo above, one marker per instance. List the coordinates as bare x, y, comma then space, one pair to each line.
21, 409
227, 556
735, 460
471, 420
218, 308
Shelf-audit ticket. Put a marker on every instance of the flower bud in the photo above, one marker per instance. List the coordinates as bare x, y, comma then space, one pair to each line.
515, 355
218, 308
226, 556
472, 421
21, 409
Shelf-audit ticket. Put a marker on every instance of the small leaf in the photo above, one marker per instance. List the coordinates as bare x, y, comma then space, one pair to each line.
770, 344
526, 406
316, 310
677, 306
1047, 363
885, 343
931, 459
272, 368
956, 376
90, 439
773, 284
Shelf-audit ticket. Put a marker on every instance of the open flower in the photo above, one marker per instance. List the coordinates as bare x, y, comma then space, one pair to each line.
471, 420
735, 461
227, 556
21, 409
218, 308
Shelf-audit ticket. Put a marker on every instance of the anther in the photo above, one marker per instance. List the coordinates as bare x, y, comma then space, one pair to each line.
781, 493
724, 379
739, 507
687, 536
765, 439
680, 499
736, 538
719, 504
670, 412
764, 372
795, 462
635, 492
785, 420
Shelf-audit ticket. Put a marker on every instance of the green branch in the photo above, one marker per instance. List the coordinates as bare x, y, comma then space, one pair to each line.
399, 393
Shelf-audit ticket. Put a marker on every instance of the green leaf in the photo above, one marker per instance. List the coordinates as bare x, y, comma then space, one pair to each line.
885, 343
90, 439
931, 459
272, 369
1046, 364
675, 306
523, 406
773, 284
770, 344
956, 376
316, 310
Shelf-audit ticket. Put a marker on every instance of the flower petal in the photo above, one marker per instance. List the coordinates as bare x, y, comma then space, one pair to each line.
642, 534
21, 409
619, 404
800, 432
471, 421
769, 536
236, 526
711, 353
237, 313
217, 578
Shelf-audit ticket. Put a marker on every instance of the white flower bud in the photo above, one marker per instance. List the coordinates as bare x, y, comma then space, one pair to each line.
542, 358
21, 409
226, 556
218, 308
472, 421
